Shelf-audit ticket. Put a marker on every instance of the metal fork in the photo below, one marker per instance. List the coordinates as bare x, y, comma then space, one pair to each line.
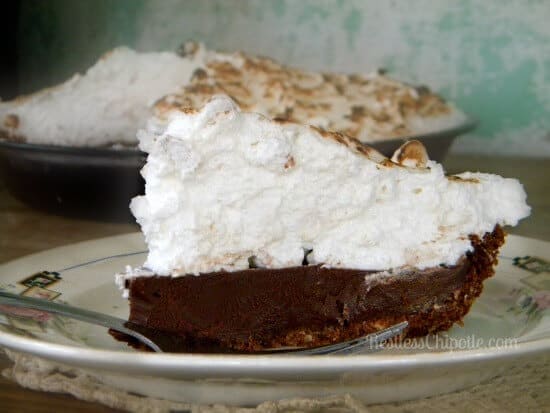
159, 341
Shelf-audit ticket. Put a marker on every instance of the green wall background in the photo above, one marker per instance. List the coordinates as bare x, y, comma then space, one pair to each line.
492, 57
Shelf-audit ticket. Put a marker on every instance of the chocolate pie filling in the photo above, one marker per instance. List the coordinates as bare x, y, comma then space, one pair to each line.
310, 305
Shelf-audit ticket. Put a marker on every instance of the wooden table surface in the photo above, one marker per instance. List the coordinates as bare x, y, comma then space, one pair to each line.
25, 231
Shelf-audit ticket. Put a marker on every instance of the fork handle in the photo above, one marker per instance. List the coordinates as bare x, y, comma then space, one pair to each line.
76, 313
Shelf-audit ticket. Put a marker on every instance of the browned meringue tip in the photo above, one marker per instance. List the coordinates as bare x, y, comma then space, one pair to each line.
411, 154
354, 145
188, 48
11, 121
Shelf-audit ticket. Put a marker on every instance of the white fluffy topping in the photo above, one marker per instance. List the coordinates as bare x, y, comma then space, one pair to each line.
105, 106
223, 186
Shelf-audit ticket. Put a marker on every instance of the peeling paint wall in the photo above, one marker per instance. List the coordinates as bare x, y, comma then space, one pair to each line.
491, 57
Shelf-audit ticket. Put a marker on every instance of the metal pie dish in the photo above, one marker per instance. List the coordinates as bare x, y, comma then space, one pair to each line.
98, 183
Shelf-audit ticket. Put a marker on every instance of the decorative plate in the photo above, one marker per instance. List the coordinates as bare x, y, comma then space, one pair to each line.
508, 324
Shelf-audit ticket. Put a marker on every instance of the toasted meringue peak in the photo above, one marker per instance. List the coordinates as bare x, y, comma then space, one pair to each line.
354, 144
412, 154
188, 48
11, 121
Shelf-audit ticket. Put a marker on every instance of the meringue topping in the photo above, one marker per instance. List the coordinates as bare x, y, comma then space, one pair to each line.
368, 107
224, 187
106, 105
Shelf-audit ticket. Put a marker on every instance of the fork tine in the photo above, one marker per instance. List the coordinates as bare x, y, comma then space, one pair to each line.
373, 342
369, 343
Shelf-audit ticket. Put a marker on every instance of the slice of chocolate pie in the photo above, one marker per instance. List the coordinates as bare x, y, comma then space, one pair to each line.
264, 233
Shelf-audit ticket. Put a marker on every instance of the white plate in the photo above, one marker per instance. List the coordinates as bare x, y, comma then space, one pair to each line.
510, 322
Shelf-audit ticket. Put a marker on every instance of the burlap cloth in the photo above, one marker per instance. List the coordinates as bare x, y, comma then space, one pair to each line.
525, 388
